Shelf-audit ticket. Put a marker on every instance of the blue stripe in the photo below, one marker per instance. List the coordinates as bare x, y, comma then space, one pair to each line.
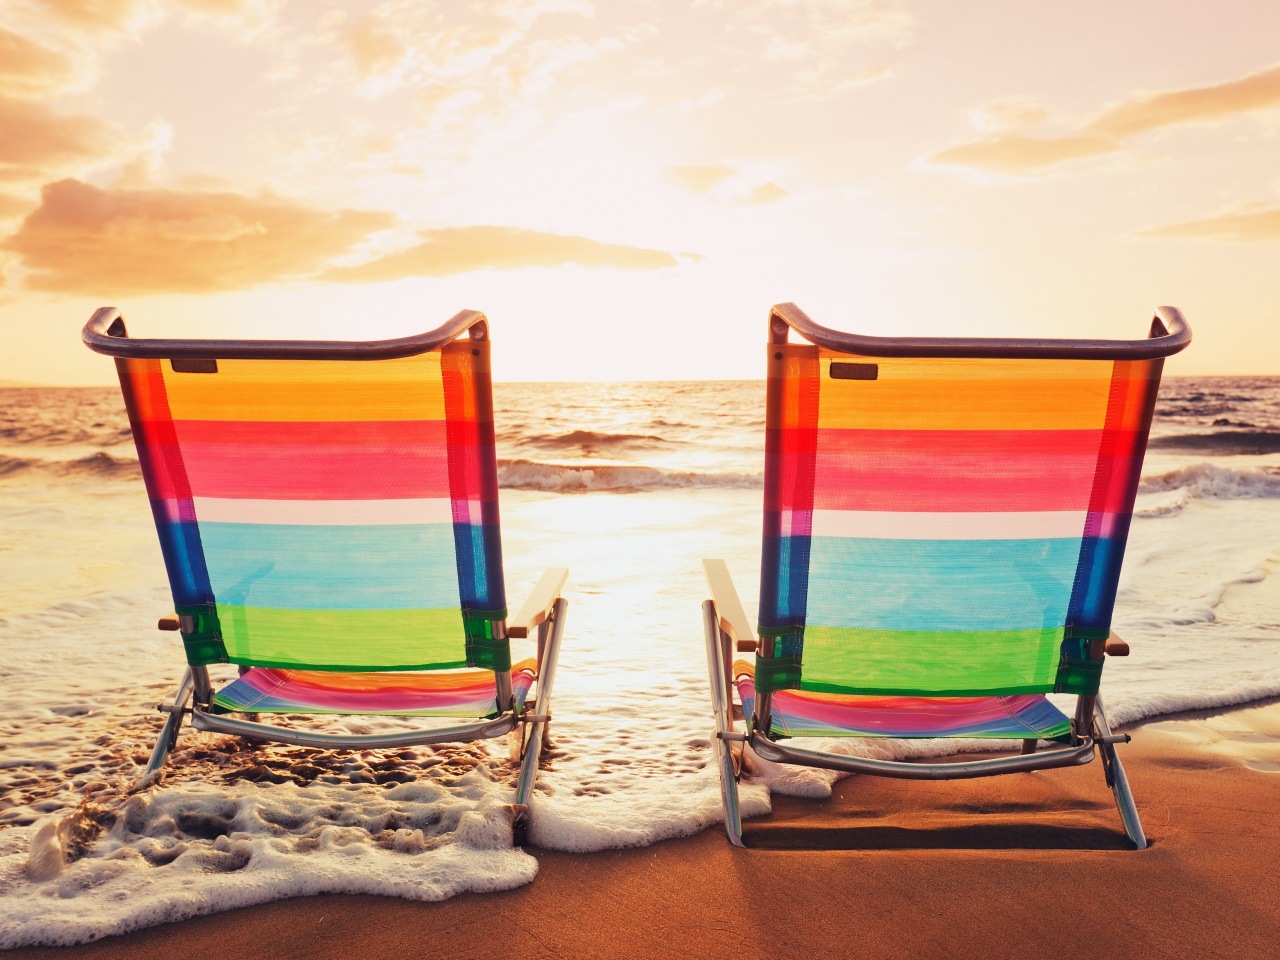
479, 563
966, 585
377, 567
183, 559
784, 580
1095, 591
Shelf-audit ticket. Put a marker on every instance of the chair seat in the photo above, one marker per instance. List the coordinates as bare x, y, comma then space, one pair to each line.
460, 693
800, 713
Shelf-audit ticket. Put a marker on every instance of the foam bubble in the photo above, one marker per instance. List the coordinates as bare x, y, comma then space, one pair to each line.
191, 850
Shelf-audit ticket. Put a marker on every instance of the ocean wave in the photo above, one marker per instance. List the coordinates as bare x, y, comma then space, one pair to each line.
1225, 443
573, 478
94, 465
595, 442
1207, 480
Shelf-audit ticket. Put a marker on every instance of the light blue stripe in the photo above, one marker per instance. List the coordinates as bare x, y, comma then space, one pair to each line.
381, 567
941, 584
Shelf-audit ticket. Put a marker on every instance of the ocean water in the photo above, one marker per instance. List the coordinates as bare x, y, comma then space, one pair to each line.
629, 485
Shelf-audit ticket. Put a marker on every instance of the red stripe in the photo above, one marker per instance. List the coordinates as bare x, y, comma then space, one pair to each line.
365, 460
364, 433
956, 470
1129, 410
789, 465
473, 468
147, 403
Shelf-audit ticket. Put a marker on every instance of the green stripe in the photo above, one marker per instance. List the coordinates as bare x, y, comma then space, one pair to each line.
203, 642
777, 673
938, 691
343, 639
930, 662
1078, 676
483, 649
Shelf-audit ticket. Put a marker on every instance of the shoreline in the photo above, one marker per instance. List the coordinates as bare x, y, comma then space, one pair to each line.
1007, 866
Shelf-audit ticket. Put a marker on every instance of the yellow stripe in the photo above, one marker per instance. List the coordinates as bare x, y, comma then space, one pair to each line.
310, 390
966, 394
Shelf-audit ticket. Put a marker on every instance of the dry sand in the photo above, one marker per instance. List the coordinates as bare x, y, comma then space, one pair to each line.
1030, 865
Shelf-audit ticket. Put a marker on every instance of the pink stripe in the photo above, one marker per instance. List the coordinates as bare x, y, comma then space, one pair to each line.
313, 473
355, 460
904, 716
955, 471
273, 689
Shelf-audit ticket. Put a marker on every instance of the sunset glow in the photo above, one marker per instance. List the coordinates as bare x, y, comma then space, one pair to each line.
624, 188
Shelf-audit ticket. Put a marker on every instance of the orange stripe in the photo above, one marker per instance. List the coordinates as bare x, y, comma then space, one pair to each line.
460, 681
309, 390
967, 394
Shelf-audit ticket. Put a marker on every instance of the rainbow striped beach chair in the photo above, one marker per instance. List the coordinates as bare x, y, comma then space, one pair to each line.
328, 516
943, 530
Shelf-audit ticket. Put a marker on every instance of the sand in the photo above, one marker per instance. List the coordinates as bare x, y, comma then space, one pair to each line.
1020, 866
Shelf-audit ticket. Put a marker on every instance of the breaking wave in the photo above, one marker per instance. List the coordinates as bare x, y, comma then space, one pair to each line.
1224, 444
1205, 480
573, 478
94, 465
595, 443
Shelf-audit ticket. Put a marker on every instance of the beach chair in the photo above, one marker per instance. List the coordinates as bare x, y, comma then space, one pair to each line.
328, 516
944, 521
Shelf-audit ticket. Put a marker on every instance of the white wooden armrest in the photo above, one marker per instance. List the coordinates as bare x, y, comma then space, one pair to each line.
733, 619
538, 607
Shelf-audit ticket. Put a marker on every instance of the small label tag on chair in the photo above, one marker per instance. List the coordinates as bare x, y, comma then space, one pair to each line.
194, 365
855, 371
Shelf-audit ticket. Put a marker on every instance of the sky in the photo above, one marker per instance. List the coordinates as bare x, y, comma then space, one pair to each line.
625, 187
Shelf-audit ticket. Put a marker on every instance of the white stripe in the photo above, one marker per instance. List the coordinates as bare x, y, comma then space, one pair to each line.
877, 525
325, 513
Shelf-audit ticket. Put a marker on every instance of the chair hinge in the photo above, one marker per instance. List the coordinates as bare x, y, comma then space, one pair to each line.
534, 718
735, 737
170, 708
1114, 738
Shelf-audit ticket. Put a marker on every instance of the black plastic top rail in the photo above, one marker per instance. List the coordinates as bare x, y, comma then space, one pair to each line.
1169, 334
105, 333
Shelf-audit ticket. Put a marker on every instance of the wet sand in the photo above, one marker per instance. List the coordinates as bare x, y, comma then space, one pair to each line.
1019, 866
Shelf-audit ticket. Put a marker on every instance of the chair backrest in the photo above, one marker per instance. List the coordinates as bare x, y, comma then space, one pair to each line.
946, 525
329, 513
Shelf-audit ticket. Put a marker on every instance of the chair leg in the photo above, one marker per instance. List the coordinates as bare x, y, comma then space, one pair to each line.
721, 701
169, 732
1113, 769
542, 708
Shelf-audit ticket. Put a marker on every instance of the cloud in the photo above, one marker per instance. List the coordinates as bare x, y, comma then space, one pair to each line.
726, 184
1194, 105
1014, 153
130, 16
375, 47
28, 69
1007, 114
816, 43
480, 44
37, 139
765, 193
460, 249
114, 15
11, 206
1011, 150
83, 239
699, 180
1250, 224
